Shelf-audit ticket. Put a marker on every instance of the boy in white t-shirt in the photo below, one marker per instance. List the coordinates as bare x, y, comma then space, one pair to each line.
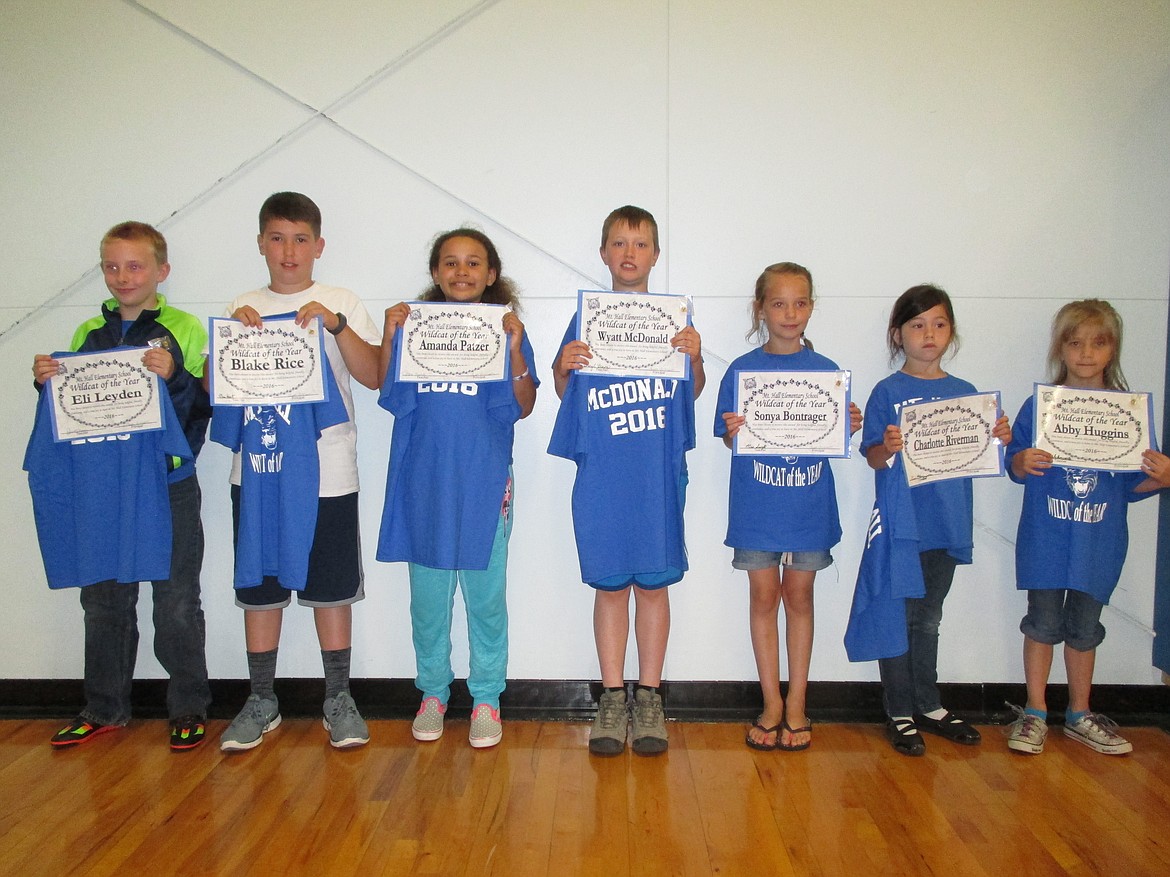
290, 241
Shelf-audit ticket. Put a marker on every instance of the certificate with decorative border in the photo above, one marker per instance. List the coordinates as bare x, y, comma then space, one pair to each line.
793, 414
951, 438
106, 393
1093, 429
277, 363
629, 333
453, 341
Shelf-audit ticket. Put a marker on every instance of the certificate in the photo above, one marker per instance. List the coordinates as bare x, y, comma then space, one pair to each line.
629, 333
277, 363
453, 341
793, 414
1093, 429
951, 438
106, 393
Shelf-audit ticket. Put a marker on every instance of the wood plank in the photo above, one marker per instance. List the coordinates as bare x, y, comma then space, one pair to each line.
540, 804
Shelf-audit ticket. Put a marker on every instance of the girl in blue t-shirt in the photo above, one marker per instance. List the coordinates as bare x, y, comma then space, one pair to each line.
780, 527
922, 330
1073, 536
449, 490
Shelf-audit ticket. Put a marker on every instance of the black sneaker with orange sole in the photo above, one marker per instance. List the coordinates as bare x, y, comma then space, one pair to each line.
79, 731
187, 733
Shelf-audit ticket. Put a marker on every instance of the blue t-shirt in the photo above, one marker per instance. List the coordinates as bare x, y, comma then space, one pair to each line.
1074, 529
778, 503
449, 458
890, 573
944, 508
629, 438
279, 480
102, 506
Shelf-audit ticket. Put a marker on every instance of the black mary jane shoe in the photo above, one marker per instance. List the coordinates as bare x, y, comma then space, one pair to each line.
904, 737
951, 727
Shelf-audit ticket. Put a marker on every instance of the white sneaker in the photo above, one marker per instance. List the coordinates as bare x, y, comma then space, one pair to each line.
1028, 733
1100, 733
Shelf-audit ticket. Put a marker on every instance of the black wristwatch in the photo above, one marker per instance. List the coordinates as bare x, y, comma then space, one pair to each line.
342, 322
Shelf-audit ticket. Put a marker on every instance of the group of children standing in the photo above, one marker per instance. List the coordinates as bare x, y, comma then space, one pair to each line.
627, 502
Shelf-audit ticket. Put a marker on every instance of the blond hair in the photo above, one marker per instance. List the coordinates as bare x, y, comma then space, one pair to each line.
138, 231
1065, 324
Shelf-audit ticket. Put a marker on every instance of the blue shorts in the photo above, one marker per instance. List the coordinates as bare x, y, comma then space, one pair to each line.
806, 561
647, 581
335, 560
1060, 616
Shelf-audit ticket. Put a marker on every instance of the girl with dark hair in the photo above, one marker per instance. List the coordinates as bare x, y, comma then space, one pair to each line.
448, 510
922, 331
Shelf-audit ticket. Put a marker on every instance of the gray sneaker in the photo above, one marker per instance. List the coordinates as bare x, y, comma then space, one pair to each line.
608, 734
259, 716
344, 723
486, 727
1028, 733
649, 731
428, 721
1100, 733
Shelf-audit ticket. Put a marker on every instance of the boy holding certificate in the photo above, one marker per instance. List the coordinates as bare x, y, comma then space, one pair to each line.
134, 263
290, 241
630, 450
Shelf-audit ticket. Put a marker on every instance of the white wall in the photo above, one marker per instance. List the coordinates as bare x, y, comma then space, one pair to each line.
1013, 153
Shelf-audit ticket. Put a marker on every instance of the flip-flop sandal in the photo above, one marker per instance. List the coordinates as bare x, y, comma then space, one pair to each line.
763, 747
798, 747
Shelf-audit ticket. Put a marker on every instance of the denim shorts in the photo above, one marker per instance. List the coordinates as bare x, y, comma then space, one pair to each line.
805, 561
1060, 616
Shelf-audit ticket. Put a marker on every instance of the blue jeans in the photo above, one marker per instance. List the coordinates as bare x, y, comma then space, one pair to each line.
432, 597
111, 626
910, 681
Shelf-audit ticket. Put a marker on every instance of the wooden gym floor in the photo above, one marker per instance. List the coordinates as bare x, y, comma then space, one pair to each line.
540, 804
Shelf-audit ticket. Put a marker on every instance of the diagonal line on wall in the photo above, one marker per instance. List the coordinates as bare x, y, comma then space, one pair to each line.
326, 114
314, 114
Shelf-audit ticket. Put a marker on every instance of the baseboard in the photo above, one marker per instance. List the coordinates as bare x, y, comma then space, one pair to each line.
574, 699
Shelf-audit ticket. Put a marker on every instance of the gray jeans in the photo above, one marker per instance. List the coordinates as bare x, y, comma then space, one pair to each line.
111, 626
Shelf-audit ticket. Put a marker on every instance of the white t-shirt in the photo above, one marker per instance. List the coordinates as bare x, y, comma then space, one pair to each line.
337, 447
